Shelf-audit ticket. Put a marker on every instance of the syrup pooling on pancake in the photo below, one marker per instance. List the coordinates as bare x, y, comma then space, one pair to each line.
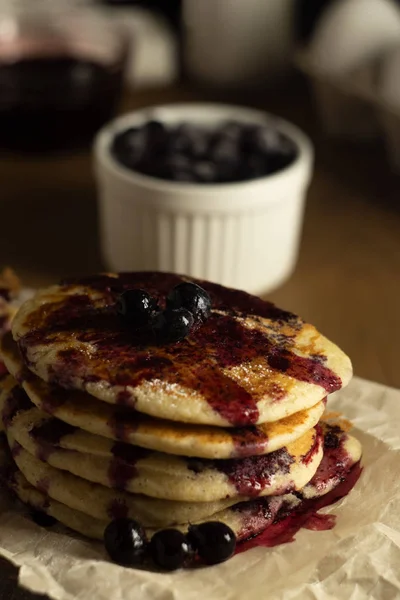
159, 475
248, 363
120, 423
341, 452
247, 519
78, 493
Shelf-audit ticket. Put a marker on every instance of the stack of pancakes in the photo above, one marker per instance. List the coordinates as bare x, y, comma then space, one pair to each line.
224, 425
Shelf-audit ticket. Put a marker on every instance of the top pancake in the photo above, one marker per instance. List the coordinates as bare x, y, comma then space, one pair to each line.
249, 363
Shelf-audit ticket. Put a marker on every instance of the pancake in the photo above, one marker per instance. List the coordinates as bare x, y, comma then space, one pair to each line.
243, 522
161, 475
106, 504
248, 364
82, 411
246, 519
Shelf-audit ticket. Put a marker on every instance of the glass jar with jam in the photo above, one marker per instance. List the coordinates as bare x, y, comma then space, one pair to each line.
61, 74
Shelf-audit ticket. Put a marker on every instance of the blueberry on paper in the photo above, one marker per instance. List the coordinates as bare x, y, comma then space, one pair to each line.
125, 542
214, 541
169, 549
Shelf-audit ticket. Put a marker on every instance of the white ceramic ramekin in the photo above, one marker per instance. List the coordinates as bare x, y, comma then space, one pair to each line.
244, 235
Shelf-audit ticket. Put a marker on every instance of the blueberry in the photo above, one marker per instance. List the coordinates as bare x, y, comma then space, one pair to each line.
136, 307
129, 146
331, 440
224, 149
125, 542
228, 170
155, 128
189, 140
255, 166
214, 542
269, 144
192, 297
178, 161
169, 548
267, 140
178, 141
172, 325
42, 519
231, 129
205, 171
194, 139
183, 175
249, 138
156, 137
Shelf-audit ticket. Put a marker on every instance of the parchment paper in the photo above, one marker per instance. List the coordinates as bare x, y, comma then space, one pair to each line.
359, 558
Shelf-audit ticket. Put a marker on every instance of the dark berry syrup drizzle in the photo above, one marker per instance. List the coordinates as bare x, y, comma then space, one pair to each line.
253, 474
287, 524
48, 436
122, 467
125, 358
336, 472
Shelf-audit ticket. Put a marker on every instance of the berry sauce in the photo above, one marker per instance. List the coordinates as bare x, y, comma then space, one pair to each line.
287, 523
251, 475
307, 458
49, 401
117, 509
124, 423
52, 431
249, 441
55, 103
17, 401
335, 462
127, 358
48, 436
122, 467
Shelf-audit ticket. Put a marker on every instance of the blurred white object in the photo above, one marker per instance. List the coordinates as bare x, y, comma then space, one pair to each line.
234, 43
154, 54
352, 32
389, 79
344, 57
343, 103
347, 108
245, 235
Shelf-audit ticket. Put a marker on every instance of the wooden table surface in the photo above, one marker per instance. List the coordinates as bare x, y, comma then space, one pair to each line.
347, 279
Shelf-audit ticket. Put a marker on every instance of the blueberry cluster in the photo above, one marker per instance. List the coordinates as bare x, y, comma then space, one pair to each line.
187, 305
126, 543
186, 152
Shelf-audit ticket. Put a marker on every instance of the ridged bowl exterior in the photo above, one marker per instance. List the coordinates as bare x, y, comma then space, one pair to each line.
244, 235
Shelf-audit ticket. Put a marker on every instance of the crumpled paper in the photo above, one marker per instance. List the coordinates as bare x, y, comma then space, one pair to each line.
359, 558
